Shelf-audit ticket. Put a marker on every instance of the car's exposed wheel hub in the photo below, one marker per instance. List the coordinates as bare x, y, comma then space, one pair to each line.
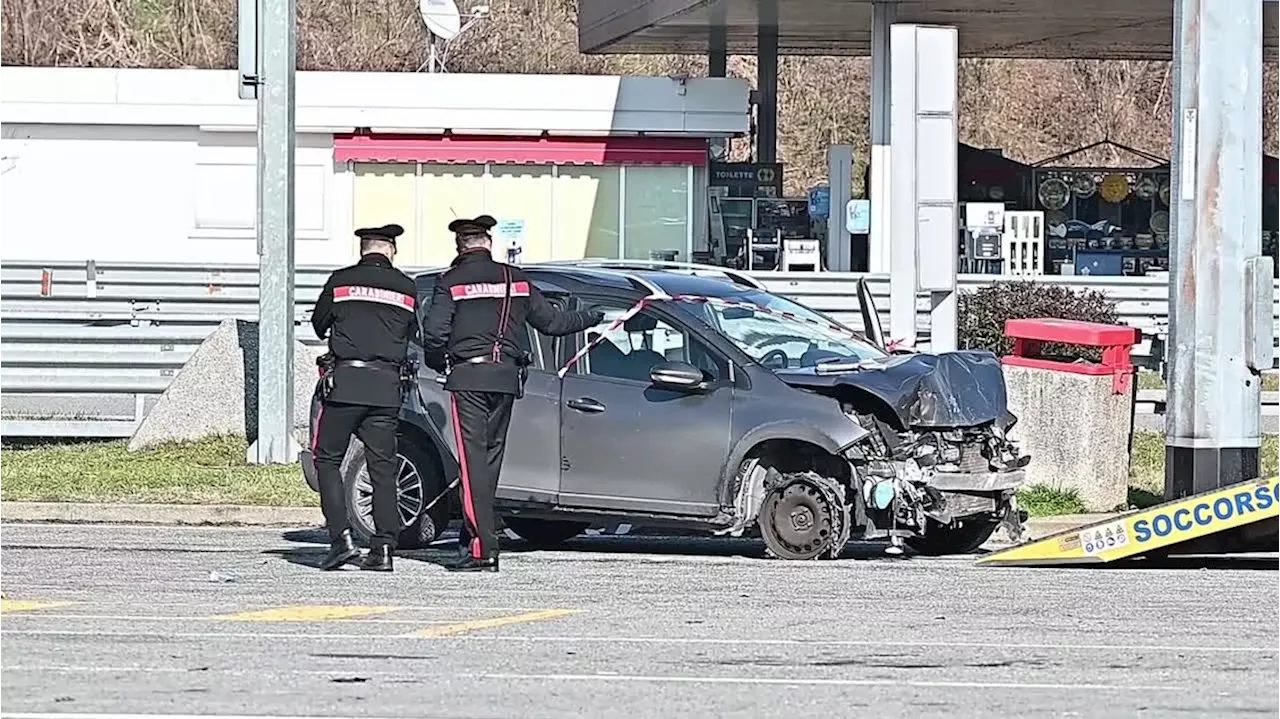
804, 517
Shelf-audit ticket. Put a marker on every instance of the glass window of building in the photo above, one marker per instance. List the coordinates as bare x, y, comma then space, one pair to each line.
656, 213
519, 198
445, 193
586, 203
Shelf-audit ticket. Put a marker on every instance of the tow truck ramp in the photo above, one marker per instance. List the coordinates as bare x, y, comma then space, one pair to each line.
1239, 517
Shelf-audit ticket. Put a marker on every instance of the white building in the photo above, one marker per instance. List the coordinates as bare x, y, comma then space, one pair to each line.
158, 165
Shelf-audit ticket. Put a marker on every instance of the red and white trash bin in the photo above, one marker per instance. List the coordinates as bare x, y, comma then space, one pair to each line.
1075, 418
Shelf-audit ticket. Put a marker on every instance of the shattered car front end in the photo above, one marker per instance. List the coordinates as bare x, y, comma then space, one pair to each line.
936, 467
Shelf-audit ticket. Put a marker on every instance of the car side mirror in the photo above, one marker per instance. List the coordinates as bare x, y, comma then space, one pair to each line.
678, 376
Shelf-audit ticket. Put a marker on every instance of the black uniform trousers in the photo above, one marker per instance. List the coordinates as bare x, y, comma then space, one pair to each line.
375, 427
480, 421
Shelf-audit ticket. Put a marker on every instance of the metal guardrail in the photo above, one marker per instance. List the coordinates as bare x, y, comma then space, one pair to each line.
1152, 401
88, 348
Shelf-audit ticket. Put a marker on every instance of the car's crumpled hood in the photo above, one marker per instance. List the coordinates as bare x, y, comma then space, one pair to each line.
952, 389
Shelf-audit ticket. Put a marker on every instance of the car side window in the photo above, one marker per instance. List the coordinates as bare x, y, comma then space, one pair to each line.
546, 349
631, 350
425, 286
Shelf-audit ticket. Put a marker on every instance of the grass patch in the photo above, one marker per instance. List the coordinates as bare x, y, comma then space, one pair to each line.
212, 471
1148, 379
1146, 466
1043, 501
1141, 498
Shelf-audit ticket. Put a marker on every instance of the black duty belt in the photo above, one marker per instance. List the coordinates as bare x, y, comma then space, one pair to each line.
376, 364
521, 365
517, 362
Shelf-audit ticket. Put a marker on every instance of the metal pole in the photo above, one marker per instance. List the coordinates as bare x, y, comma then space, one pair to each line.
840, 183
767, 81
276, 128
883, 15
1214, 405
718, 43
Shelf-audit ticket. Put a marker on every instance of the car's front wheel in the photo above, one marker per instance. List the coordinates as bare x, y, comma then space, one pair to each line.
418, 482
805, 516
965, 537
544, 532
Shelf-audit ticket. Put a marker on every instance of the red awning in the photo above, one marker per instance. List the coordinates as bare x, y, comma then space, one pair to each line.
446, 149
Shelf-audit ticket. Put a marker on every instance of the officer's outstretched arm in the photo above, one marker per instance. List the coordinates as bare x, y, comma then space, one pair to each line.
547, 320
322, 315
436, 328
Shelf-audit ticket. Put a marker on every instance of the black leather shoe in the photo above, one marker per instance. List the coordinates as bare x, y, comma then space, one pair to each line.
470, 564
378, 559
341, 551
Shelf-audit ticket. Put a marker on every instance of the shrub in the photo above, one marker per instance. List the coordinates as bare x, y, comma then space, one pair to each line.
983, 314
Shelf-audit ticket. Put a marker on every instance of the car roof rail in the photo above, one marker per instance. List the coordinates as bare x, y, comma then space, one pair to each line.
739, 278
644, 284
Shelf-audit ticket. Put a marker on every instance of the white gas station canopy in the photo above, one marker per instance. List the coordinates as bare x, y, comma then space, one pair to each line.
1098, 29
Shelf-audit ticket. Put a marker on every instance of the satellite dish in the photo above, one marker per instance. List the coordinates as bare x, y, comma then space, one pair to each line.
441, 17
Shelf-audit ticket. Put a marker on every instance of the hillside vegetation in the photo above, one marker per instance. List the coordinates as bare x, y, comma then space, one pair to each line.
1029, 109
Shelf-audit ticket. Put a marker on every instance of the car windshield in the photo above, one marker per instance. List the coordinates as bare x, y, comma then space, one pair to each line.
780, 334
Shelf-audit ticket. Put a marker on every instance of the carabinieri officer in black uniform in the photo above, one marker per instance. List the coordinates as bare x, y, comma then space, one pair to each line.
367, 311
471, 332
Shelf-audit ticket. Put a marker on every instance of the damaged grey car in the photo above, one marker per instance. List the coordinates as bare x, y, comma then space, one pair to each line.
705, 403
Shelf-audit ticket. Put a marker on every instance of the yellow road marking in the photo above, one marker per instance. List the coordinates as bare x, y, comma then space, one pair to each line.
21, 605
474, 624
305, 613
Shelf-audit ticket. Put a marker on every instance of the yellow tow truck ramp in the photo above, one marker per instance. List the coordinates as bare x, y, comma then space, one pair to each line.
1221, 520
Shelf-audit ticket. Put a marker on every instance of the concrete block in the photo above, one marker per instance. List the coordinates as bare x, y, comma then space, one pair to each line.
216, 391
1076, 431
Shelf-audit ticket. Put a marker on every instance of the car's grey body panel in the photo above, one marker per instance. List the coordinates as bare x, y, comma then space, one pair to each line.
531, 472
665, 456
649, 450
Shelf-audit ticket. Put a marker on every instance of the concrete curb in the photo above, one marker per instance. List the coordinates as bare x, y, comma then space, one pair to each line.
160, 514
1039, 527
246, 516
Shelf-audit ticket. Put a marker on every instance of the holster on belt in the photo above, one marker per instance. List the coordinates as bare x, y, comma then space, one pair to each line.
408, 376
522, 367
522, 362
326, 364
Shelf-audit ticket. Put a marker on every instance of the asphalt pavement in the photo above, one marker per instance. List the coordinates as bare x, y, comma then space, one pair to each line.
145, 621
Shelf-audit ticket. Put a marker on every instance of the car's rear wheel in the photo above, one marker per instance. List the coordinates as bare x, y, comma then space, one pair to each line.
418, 482
544, 532
965, 537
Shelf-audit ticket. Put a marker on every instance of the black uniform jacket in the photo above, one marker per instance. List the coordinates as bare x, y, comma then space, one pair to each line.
470, 305
368, 312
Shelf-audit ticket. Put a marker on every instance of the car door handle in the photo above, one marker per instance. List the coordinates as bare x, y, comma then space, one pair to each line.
585, 404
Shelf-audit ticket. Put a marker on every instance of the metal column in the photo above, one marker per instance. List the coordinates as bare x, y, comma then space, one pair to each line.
840, 184
883, 15
1216, 272
767, 81
718, 43
923, 178
276, 130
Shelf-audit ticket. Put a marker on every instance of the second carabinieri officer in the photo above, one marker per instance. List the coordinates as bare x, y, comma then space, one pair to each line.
470, 332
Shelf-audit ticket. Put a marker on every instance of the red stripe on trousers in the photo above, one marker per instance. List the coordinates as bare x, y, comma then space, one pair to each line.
467, 505
315, 438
